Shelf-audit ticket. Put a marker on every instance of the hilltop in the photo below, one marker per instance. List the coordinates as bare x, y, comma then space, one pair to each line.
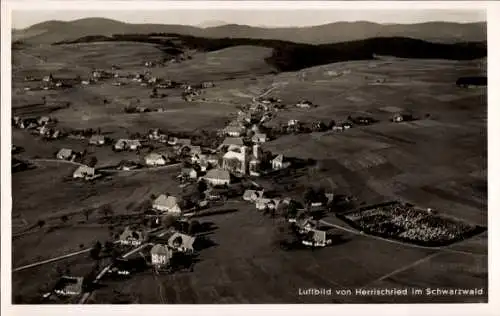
440, 32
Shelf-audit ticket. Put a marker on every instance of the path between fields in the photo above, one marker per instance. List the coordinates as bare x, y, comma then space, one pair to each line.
106, 170
50, 260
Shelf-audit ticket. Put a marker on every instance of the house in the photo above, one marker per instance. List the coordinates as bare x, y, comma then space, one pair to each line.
337, 128
85, 172
97, 140
252, 195
232, 143
188, 173
48, 78
218, 177
161, 255
318, 239
259, 138
265, 203
279, 163
346, 125
42, 120
234, 131
155, 159
69, 286
167, 205
128, 165
213, 160
304, 104
181, 242
130, 144
207, 84
183, 142
293, 122
64, 154
132, 237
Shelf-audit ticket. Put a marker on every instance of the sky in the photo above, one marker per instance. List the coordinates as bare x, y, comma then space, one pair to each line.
270, 18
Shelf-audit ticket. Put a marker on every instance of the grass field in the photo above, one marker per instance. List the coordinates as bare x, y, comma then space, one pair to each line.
438, 161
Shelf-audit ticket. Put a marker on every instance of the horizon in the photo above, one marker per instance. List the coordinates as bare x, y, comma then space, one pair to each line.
22, 19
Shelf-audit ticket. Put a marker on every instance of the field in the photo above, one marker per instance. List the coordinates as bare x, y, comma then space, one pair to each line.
438, 161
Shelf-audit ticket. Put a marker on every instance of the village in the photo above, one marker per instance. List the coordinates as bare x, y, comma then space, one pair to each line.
210, 172
166, 238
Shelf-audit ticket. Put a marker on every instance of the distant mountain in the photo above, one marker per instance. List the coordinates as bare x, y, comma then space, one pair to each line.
441, 32
213, 23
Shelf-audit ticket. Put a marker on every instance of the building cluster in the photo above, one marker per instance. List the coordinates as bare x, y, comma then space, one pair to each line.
42, 125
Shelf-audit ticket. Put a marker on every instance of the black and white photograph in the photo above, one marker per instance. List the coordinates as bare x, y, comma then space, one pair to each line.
246, 155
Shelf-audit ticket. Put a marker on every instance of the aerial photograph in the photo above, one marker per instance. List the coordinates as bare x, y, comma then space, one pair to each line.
249, 157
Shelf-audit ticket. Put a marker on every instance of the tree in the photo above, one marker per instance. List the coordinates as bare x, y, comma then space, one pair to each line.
292, 209
41, 223
95, 251
106, 210
87, 213
202, 186
64, 218
177, 242
194, 227
309, 195
168, 221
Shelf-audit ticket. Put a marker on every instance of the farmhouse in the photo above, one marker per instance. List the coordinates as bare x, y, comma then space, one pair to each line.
84, 172
234, 131
304, 104
64, 154
232, 143
132, 237
42, 120
207, 84
130, 144
69, 286
252, 195
259, 138
97, 140
155, 159
293, 122
188, 173
183, 142
48, 78
279, 163
160, 255
265, 203
217, 177
318, 239
181, 242
167, 205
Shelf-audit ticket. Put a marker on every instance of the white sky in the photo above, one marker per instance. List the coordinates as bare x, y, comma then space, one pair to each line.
272, 18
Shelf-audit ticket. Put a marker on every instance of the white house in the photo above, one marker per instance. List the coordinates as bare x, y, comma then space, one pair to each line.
252, 195
130, 144
181, 242
259, 138
167, 205
64, 154
218, 177
84, 172
234, 131
279, 163
97, 140
155, 159
132, 237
